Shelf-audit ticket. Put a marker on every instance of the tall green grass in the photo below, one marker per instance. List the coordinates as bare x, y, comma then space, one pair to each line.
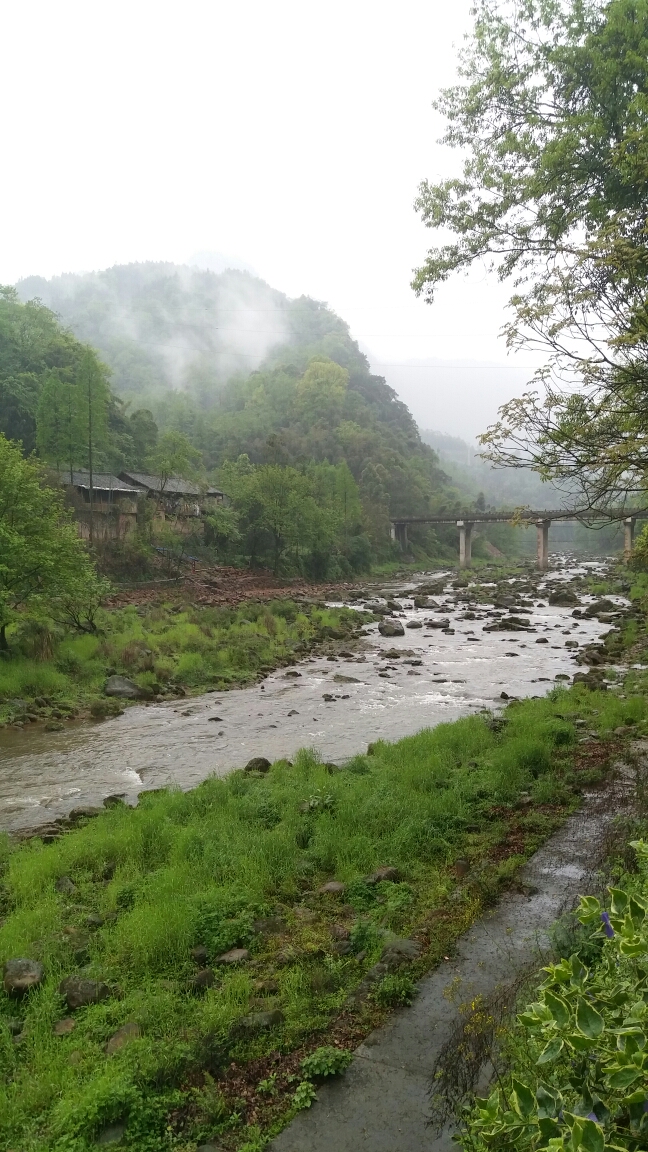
167, 647
196, 869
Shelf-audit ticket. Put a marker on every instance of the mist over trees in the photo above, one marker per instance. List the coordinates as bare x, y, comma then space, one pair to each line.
315, 452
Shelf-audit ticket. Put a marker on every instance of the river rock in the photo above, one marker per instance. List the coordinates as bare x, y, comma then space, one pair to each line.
391, 628
340, 679
414, 624
563, 598
599, 606
508, 624
20, 975
79, 992
443, 623
124, 688
234, 956
257, 764
122, 1036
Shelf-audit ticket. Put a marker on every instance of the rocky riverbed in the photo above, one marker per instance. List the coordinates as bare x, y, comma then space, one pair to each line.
442, 648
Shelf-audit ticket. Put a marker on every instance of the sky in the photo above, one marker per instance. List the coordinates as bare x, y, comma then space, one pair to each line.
291, 136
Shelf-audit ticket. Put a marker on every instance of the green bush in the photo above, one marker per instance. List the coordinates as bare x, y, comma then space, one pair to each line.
395, 990
581, 1071
326, 1061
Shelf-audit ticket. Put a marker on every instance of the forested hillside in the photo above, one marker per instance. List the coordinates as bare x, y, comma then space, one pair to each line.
273, 394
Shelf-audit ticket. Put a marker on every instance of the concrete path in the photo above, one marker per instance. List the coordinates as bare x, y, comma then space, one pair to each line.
381, 1104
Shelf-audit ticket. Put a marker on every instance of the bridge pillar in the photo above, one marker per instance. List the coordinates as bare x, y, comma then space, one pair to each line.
628, 537
465, 542
543, 544
392, 531
399, 533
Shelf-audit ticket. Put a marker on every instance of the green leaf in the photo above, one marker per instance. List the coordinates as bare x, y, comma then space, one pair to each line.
549, 1103
623, 1077
553, 1048
580, 1043
591, 1136
523, 1099
548, 1128
589, 1021
559, 1009
619, 901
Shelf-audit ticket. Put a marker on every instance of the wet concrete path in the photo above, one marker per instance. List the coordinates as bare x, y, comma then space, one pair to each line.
382, 1102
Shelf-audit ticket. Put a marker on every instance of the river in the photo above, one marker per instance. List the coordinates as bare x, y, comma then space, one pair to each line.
438, 677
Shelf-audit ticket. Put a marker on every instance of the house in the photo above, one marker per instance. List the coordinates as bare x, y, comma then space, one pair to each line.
175, 499
114, 503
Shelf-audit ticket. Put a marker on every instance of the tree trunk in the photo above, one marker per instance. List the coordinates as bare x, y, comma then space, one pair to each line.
4, 647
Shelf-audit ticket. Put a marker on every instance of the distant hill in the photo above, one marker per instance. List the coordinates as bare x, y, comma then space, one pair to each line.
501, 487
165, 326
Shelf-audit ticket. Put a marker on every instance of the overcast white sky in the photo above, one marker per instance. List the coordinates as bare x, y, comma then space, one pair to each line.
290, 133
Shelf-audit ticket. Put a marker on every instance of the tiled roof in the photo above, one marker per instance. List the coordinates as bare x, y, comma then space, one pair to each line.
173, 486
101, 482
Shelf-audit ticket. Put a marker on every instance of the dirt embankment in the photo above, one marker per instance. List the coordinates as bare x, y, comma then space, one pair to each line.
224, 587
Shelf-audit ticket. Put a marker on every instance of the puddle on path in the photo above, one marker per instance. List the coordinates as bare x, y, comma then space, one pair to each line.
44, 775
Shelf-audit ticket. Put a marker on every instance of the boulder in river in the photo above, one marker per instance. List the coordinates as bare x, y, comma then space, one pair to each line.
563, 598
414, 624
20, 975
124, 688
391, 628
508, 624
79, 992
599, 606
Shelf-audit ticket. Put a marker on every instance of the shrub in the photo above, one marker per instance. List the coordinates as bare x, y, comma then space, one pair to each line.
395, 990
580, 1075
326, 1061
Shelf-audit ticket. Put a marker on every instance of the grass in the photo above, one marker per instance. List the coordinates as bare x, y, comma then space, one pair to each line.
166, 648
197, 869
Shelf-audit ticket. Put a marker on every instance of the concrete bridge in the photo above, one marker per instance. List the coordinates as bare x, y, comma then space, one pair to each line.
543, 520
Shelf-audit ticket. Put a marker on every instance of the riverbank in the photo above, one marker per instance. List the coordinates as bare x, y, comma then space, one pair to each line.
166, 648
226, 933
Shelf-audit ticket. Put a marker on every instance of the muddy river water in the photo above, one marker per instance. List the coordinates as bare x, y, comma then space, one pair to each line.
438, 676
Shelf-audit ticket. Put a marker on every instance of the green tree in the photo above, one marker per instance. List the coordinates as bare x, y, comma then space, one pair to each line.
41, 555
552, 116
59, 426
174, 455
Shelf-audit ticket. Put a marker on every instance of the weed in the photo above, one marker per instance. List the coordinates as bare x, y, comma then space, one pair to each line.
395, 990
326, 1061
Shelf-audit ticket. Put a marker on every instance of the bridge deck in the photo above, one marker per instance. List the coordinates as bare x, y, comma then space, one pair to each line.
586, 515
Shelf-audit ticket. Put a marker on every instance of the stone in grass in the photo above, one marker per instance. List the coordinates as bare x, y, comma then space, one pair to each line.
258, 1022
386, 873
122, 1036
199, 955
269, 925
257, 764
15, 1025
111, 1134
20, 975
65, 885
64, 1027
333, 888
79, 992
234, 956
400, 952
203, 980
210, 1148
